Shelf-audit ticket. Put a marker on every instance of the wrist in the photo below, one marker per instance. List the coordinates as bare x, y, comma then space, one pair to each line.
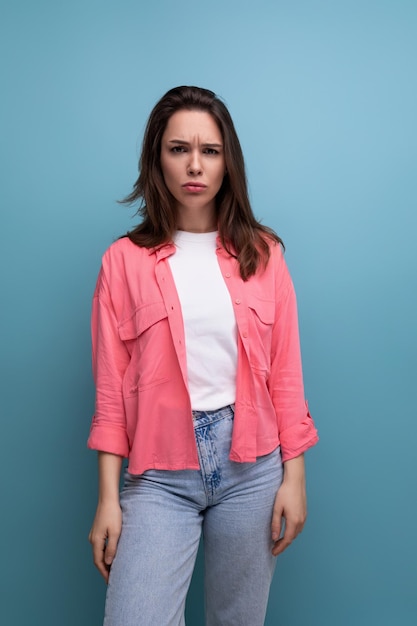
294, 469
109, 468
106, 499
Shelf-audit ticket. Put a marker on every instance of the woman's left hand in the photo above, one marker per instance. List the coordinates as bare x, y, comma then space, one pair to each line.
290, 505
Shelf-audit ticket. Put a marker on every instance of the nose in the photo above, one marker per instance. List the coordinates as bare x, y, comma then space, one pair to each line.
194, 166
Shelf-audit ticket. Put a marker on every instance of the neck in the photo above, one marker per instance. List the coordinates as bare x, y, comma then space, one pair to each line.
194, 221
198, 230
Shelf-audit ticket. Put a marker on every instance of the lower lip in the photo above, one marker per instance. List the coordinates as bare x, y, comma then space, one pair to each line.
193, 188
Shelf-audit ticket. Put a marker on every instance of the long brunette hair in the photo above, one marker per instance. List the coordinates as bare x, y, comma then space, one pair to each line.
240, 233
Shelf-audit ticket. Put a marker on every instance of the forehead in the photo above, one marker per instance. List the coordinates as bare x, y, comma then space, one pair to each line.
186, 124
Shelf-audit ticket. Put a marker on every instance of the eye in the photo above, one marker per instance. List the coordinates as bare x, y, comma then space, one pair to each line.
211, 151
177, 149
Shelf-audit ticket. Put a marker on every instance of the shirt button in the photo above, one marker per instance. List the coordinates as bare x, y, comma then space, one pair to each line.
238, 301
245, 335
227, 275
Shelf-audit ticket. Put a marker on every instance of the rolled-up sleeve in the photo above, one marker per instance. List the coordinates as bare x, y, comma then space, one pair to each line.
110, 360
296, 428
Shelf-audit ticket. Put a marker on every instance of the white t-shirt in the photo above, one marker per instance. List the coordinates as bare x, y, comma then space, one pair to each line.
209, 321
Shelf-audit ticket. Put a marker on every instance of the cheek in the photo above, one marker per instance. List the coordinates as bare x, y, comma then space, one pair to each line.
220, 175
168, 171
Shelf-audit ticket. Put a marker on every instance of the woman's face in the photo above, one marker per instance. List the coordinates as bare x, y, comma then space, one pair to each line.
193, 166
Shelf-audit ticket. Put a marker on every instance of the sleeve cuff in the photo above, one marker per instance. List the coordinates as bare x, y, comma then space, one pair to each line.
106, 438
298, 438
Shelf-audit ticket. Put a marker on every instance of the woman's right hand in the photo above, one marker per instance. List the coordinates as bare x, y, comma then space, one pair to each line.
104, 535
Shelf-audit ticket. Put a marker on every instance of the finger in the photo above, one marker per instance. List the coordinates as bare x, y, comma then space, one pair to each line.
276, 525
288, 537
104, 571
280, 545
98, 545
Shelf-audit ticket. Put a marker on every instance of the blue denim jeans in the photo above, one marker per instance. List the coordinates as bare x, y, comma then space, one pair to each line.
164, 514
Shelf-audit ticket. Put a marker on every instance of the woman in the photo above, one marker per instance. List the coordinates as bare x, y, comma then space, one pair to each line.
198, 376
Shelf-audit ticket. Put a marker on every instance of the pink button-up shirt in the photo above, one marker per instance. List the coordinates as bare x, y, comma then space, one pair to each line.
143, 408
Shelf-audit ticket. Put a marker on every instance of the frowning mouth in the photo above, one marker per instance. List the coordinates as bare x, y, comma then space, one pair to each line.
194, 187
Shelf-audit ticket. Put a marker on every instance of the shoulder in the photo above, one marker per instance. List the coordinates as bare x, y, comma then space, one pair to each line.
278, 270
123, 248
123, 254
127, 274
276, 262
122, 262
276, 249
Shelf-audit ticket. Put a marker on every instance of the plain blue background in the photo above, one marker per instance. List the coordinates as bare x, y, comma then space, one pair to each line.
324, 99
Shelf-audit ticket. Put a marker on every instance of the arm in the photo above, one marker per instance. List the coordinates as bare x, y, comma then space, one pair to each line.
290, 505
111, 359
107, 524
296, 429
295, 426
108, 431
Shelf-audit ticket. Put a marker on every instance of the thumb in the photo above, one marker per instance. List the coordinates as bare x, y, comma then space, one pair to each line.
110, 551
276, 524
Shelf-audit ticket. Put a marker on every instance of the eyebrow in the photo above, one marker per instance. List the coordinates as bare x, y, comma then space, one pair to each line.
181, 142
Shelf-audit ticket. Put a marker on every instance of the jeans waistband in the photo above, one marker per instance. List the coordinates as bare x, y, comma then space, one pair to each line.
203, 418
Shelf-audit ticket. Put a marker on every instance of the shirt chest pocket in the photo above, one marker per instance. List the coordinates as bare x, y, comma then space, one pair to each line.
261, 317
146, 333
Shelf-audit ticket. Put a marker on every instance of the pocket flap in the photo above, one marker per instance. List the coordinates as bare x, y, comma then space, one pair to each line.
141, 319
264, 309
